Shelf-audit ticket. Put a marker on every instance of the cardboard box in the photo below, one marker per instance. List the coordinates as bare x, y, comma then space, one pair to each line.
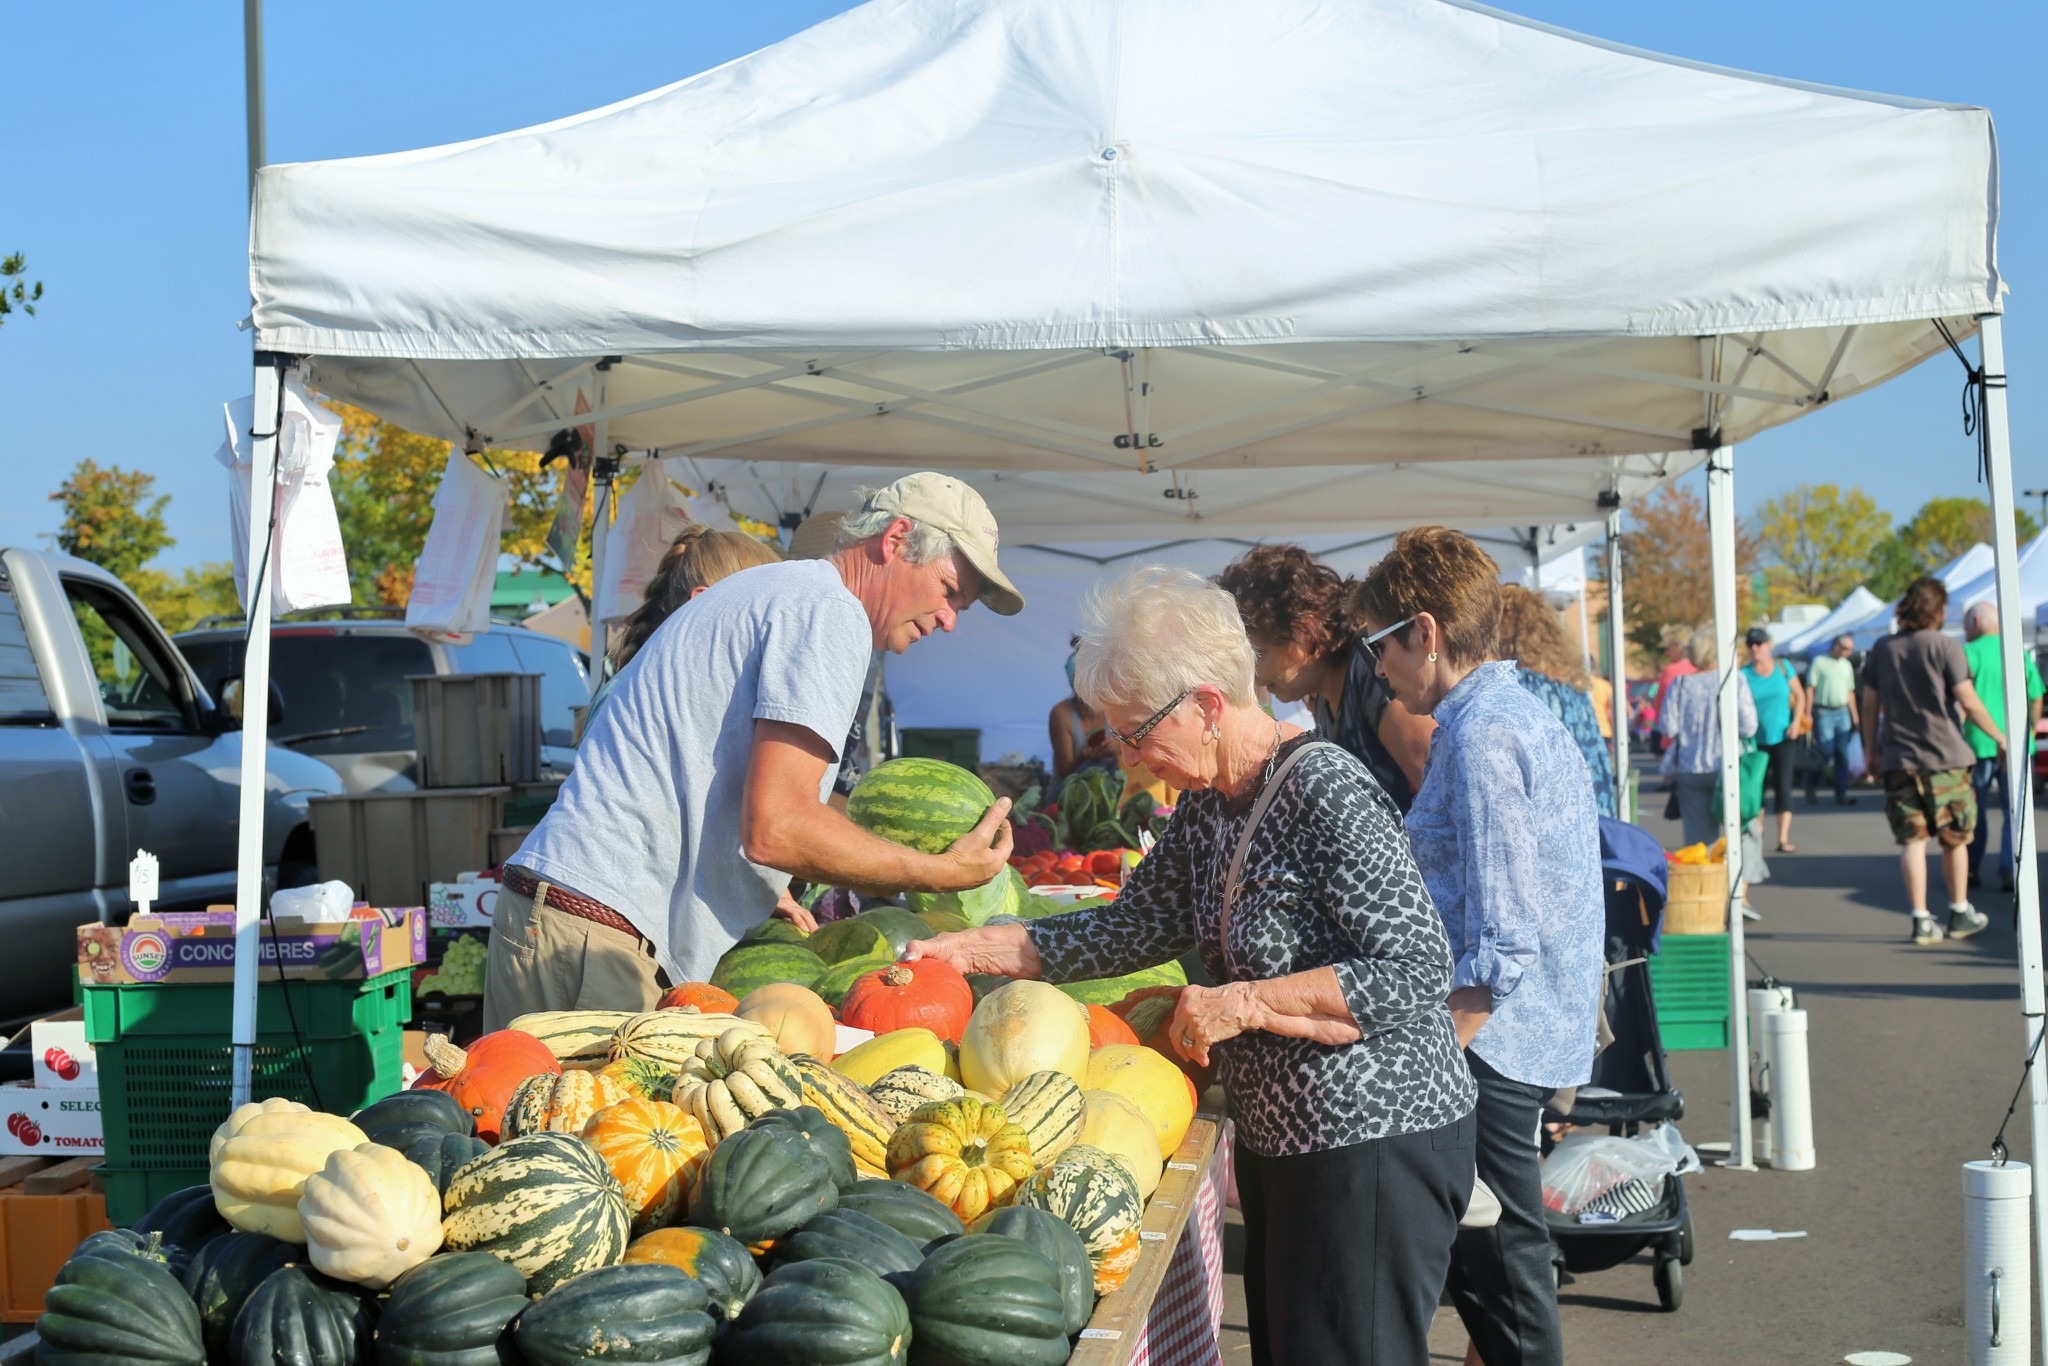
462, 905
200, 947
61, 1056
59, 1121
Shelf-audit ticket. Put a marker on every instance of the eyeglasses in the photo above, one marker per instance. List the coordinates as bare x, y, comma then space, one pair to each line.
1151, 723
1377, 636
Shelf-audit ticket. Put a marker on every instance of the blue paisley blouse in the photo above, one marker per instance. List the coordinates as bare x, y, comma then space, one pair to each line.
1575, 709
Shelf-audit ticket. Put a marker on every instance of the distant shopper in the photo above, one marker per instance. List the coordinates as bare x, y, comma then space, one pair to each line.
1079, 741
1546, 665
1691, 719
1677, 664
1913, 682
1832, 677
1987, 675
1780, 722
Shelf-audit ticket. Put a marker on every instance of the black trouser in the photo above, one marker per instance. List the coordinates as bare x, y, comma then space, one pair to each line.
1501, 1281
1344, 1250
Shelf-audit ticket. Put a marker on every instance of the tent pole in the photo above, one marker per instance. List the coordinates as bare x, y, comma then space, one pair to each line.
265, 414
1617, 664
602, 471
2019, 790
1721, 532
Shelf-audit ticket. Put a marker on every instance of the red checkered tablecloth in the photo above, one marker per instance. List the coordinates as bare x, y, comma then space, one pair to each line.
1186, 1320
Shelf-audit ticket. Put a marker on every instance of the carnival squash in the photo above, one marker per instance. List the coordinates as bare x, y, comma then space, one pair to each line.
483, 1076
734, 1079
795, 1017
640, 1315
855, 1113
995, 1300
855, 1236
1110, 1122
451, 1311
928, 994
1098, 1198
222, 1276
867, 1063
721, 1264
1047, 1107
902, 1090
577, 1038
262, 1159
702, 995
641, 1079
1150, 1082
1052, 1236
654, 1149
370, 1216
559, 1102
965, 1153
761, 1183
113, 1305
824, 1312
1023, 1028
670, 1038
544, 1202
298, 1317
913, 1213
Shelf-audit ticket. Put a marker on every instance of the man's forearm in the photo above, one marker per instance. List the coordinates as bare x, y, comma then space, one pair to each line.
818, 844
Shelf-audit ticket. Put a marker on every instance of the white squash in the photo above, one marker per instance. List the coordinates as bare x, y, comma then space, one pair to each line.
244, 1113
1112, 1123
370, 1215
260, 1167
1019, 1029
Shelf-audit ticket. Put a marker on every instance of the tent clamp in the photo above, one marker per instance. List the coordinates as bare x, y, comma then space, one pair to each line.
608, 362
1705, 439
1608, 500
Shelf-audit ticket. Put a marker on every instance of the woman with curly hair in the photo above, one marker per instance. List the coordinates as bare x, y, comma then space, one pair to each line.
1547, 665
1306, 649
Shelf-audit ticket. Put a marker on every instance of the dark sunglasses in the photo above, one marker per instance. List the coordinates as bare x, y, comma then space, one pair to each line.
1137, 737
1377, 636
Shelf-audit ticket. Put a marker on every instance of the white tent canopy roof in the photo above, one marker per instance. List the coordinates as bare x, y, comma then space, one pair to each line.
1965, 568
1159, 234
1858, 606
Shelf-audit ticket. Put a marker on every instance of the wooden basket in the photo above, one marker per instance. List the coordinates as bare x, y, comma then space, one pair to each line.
1697, 900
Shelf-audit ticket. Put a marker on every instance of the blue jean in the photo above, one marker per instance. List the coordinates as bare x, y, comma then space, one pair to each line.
1832, 731
1986, 774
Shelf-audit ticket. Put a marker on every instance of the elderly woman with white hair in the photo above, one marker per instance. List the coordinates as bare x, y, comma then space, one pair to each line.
1287, 867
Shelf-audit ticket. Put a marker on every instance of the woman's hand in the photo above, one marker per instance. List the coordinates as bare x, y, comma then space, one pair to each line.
786, 908
1206, 1016
1005, 950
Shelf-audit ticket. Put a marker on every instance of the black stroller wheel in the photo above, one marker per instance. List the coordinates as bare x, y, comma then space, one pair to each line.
1670, 1280
1685, 1241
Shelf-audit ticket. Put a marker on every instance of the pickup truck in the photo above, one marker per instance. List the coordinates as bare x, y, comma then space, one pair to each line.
109, 744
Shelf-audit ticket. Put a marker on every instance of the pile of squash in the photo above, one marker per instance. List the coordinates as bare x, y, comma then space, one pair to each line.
704, 1181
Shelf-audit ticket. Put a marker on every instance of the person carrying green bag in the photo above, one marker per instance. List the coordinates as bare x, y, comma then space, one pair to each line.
1691, 717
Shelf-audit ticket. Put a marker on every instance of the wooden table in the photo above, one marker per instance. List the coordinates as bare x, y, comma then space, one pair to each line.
1117, 1326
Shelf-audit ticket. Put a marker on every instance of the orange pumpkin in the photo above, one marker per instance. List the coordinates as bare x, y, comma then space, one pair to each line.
1105, 1026
1149, 1013
927, 994
707, 998
797, 1018
483, 1076
654, 1149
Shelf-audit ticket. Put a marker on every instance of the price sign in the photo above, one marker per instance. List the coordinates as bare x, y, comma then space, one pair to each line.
142, 881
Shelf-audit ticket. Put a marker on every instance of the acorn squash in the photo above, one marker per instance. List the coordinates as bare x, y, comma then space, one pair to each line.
911, 1212
440, 1156
546, 1203
113, 1305
222, 1276
824, 1312
986, 1300
298, 1317
1052, 1236
828, 1140
407, 1113
451, 1310
188, 1220
855, 1236
764, 1181
722, 1265
643, 1315
370, 1216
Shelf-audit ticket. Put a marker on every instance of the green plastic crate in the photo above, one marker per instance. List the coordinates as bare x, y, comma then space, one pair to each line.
166, 1067
1689, 979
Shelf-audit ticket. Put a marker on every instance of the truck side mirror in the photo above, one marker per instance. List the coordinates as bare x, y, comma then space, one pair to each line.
231, 699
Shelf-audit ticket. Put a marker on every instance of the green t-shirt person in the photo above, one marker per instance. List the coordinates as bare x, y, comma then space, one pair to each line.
1987, 672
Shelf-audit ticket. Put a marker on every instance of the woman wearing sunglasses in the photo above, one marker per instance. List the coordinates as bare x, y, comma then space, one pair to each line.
1505, 833
1286, 867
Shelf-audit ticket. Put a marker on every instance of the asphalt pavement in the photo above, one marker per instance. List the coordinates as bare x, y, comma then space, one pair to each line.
1915, 1054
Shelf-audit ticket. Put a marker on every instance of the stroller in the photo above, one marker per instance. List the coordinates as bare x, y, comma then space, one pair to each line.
1631, 1086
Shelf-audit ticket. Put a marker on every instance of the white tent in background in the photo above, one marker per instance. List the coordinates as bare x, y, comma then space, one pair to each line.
1983, 587
1858, 606
1157, 238
1971, 565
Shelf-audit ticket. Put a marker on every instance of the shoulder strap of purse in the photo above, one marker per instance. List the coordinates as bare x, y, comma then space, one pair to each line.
1251, 825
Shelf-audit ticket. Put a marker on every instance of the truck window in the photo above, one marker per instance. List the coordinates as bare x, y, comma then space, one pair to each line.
140, 684
563, 685
344, 693
22, 699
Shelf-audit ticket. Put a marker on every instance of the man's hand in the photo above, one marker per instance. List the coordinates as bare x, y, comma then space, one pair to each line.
981, 854
787, 908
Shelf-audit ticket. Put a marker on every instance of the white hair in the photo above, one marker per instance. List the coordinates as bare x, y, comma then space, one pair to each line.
926, 544
1155, 632
1983, 615
1703, 648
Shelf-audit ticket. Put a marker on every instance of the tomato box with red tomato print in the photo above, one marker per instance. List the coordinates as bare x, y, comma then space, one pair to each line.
50, 1121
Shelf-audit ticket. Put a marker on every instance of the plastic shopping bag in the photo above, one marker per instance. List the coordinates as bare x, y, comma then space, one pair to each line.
1857, 765
458, 568
1585, 1166
308, 565
651, 515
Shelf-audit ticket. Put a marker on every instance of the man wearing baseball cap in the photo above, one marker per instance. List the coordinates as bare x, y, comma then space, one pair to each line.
700, 789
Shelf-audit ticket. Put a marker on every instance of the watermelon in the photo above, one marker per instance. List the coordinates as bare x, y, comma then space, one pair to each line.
1105, 991
926, 804
774, 930
840, 977
943, 922
749, 965
1005, 895
883, 930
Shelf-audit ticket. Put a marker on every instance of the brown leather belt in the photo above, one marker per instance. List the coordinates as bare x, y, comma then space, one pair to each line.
567, 902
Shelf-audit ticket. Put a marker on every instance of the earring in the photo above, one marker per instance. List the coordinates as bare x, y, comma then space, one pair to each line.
1432, 656
1215, 730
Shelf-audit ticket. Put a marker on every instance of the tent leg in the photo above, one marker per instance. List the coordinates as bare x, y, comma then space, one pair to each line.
1617, 665
2014, 632
600, 527
1721, 531
266, 410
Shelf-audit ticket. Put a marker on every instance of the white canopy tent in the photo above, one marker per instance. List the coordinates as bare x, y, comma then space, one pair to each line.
1858, 606
1971, 565
1156, 239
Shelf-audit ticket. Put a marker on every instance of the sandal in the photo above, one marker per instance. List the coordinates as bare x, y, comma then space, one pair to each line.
1788, 848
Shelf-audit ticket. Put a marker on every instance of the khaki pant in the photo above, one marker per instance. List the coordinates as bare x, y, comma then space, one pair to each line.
542, 958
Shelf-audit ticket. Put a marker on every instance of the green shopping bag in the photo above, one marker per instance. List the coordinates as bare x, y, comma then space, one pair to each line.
1752, 764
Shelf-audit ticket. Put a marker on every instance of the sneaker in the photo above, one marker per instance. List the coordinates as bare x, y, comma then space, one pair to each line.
1925, 931
1964, 921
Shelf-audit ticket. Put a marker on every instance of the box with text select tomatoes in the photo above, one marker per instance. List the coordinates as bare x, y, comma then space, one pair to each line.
58, 1113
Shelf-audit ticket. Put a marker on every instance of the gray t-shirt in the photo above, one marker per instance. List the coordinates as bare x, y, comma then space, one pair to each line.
1915, 675
649, 820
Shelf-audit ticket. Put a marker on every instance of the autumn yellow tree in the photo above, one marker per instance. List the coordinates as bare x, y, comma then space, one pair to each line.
1822, 537
1667, 566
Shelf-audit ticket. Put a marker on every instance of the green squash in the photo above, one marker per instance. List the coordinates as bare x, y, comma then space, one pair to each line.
856, 1237
188, 1220
810, 1125
978, 1301
298, 1317
746, 966
840, 977
114, 1306
410, 1110
764, 1181
826, 1312
983, 983
918, 1216
545, 1202
644, 1315
223, 1275
451, 1310
440, 1155
722, 1265
1061, 1245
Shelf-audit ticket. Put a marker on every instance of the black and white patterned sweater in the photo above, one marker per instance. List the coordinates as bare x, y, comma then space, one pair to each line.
1327, 882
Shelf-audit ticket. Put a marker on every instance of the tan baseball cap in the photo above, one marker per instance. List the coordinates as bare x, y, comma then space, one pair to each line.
957, 510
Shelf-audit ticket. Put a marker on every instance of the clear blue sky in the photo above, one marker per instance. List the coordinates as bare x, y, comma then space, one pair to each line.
125, 187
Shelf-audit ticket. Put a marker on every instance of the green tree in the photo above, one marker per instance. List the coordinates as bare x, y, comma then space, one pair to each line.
1944, 528
111, 519
196, 593
1822, 537
1893, 564
20, 294
1667, 562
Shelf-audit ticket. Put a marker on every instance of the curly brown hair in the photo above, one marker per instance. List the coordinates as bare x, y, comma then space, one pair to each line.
1283, 593
1532, 634
1442, 572
1924, 605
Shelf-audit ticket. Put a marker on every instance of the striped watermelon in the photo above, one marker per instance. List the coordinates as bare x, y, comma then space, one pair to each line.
746, 966
1107, 991
546, 1203
1098, 1197
924, 803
